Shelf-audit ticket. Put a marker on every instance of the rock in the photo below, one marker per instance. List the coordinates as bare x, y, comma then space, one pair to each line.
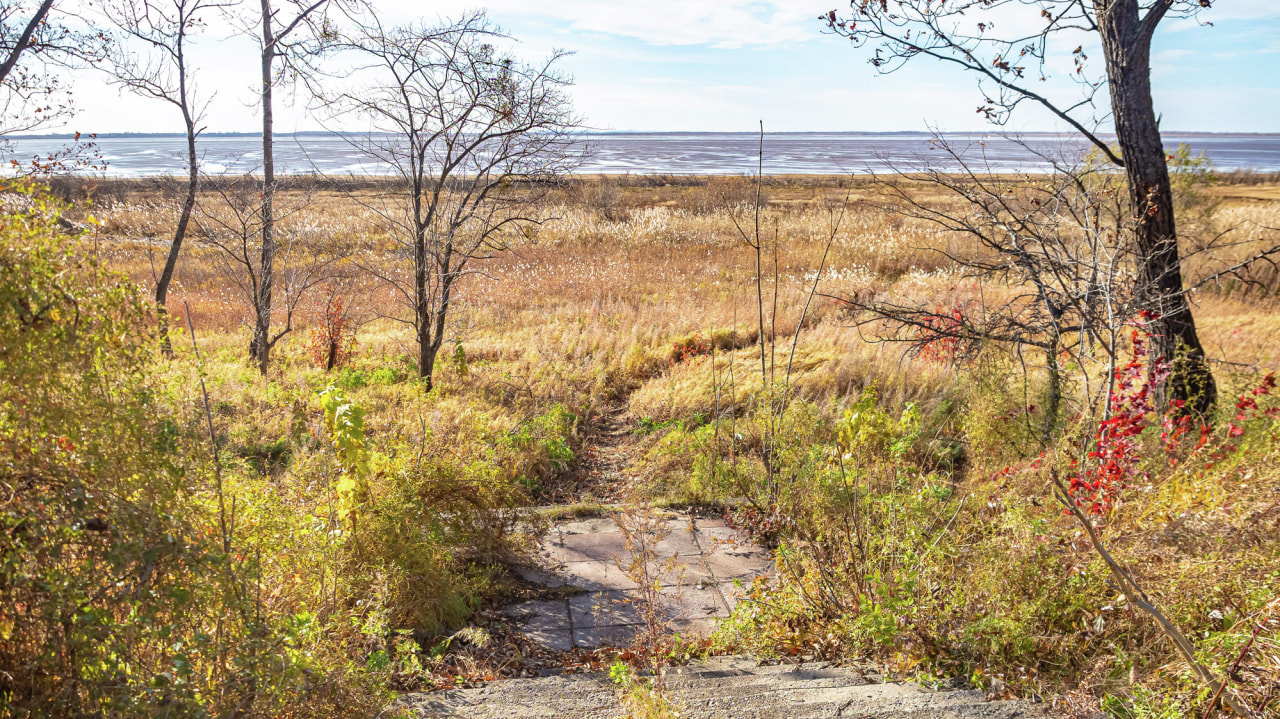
723, 687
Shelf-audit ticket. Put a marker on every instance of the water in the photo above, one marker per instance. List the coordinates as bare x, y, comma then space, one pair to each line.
672, 153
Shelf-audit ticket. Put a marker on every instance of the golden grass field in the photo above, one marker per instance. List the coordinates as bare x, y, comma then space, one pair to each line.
615, 279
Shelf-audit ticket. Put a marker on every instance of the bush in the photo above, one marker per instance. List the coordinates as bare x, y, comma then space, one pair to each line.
332, 341
602, 195
723, 193
424, 524
105, 543
266, 457
542, 446
352, 379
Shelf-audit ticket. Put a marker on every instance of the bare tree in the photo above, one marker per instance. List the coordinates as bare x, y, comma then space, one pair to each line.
290, 33
964, 34
1057, 252
160, 70
229, 220
475, 138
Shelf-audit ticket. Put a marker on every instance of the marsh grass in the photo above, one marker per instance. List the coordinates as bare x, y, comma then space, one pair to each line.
620, 300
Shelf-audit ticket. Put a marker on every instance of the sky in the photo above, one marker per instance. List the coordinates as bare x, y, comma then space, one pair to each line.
726, 65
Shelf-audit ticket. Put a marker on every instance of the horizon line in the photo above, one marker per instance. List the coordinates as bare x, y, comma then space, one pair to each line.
319, 133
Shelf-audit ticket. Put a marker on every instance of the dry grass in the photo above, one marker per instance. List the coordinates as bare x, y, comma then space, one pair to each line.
591, 312
588, 311
614, 293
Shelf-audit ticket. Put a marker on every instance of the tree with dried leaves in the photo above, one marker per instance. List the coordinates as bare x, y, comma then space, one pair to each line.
966, 34
475, 137
36, 46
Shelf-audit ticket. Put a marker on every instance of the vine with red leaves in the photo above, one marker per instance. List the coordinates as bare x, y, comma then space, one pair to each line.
937, 339
1115, 443
690, 348
1116, 454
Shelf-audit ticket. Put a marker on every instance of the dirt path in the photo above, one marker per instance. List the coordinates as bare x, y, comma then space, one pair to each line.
604, 458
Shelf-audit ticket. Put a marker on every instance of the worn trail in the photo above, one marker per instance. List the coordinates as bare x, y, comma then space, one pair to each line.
704, 566
605, 457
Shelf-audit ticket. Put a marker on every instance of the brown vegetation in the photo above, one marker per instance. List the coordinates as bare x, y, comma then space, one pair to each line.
642, 294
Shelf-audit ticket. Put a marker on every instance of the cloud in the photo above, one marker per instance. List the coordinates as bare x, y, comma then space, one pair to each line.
1222, 12
724, 64
714, 23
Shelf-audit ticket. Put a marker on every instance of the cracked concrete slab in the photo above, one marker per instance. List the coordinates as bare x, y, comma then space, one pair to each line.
544, 622
681, 540
617, 636
587, 547
597, 576
709, 558
604, 609
743, 564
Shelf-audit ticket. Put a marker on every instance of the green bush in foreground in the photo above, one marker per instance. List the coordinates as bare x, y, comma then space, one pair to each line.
294, 574
116, 596
981, 576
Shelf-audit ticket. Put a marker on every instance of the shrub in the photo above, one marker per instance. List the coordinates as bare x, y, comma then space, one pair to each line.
332, 340
601, 195
352, 379
543, 442
345, 421
723, 193
266, 457
1001, 427
386, 376
104, 543
421, 526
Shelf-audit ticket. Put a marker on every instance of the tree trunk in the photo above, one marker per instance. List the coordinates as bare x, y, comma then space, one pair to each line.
426, 359
431, 330
422, 307
260, 348
1126, 43
184, 219
441, 317
1053, 394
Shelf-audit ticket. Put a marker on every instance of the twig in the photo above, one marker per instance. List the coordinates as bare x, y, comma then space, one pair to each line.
213, 438
1235, 666
795, 339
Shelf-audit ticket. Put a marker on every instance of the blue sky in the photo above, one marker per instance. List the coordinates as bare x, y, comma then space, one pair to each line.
724, 65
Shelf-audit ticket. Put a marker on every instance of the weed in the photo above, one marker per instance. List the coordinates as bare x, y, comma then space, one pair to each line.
267, 458
641, 696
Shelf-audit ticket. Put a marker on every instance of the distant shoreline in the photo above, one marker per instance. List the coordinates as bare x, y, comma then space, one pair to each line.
617, 153
646, 133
